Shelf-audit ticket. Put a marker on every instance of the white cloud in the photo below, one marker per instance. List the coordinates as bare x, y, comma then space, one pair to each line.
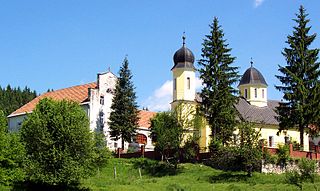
257, 3
162, 97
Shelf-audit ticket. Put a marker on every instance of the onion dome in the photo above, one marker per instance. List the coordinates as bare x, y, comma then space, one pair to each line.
183, 58
252, 76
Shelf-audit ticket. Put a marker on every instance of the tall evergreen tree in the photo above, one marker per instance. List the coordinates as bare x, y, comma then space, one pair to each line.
300, 79
218, 76
124, 115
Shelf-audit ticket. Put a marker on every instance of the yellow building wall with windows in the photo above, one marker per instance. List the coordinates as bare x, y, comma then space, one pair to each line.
183, 89
260, 100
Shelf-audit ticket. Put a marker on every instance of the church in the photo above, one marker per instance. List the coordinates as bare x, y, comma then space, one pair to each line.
96, 99
253, 104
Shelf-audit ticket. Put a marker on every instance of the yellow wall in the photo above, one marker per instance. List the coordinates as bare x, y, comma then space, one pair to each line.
266, 131
260, 101
294, 135
182, 92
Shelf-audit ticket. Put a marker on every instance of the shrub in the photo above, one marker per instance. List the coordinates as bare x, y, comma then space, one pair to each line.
283, 155
59, 144
307, 169
190, 150
293, 177
11, 154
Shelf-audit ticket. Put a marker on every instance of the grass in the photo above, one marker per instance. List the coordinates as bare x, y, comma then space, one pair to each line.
190, 177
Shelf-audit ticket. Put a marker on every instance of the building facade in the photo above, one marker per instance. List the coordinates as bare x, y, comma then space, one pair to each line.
253, 104
96, 99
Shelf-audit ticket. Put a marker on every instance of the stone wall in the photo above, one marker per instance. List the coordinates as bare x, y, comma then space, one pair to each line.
279, 169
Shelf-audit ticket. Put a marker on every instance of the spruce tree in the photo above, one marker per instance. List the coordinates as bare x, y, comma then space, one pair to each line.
218, 76
300, 79
124, 115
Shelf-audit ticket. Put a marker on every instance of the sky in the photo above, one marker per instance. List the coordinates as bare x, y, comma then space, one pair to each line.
57, 44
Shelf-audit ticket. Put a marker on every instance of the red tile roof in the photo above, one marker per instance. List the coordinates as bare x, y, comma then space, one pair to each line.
78, 94
75, 93
145, 117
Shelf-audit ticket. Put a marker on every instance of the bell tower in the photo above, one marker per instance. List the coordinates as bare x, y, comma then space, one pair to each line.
253, 87
183, 73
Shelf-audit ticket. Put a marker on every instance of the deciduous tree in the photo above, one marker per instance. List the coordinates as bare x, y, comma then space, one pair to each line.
58, 142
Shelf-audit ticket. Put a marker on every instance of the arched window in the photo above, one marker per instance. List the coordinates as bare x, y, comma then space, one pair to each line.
255, 92
245, 93
175, 84
262, 93
141, 139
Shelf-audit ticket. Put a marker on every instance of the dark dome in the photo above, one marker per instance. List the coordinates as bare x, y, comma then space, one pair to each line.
252, 76
183, 55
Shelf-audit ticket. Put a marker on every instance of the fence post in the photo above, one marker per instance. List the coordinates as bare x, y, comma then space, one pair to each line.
142, 151
119, 153
290, 149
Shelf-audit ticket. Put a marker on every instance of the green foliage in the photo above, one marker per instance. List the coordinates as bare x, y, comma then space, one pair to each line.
124, 116
101, 151
300, 80
218, 94
293, 177
167, 133
250, 146
307, 169
190, 149
306, 172
283, 154
11, 155
244, 155
13, 98
268, 158
59, 144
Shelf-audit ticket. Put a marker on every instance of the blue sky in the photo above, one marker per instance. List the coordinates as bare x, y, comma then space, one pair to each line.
57, 44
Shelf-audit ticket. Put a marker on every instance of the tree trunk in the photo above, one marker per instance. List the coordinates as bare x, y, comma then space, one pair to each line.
301, 138
122, 144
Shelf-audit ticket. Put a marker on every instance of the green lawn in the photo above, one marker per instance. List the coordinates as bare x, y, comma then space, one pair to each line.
190, 177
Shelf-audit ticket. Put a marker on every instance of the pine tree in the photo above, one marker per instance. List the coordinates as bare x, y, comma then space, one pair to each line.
300, 79
218, 95
124, 115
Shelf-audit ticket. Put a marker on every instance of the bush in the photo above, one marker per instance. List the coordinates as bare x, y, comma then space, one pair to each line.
190, 150
155, 168
307, 169
283, 155
59, 144
11, 154
293, 177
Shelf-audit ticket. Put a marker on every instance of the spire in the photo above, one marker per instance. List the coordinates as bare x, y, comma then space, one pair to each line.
184, 38
251, 62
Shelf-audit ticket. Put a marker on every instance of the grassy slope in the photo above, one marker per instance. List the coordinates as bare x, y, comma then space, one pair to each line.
191, 177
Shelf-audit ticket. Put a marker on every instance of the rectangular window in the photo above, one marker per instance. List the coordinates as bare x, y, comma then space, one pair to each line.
287, 140
101, 100
188, 83
271, 141
245, 93
262, 93
255, 92
175, 84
